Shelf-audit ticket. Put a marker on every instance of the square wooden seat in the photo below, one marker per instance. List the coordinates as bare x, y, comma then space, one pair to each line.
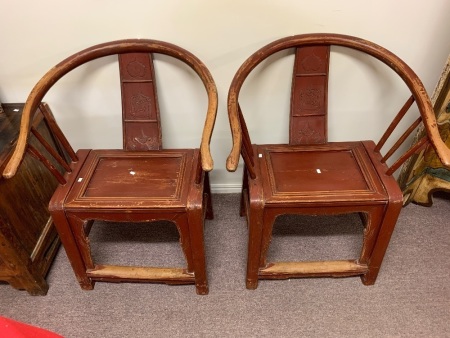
151, 179
336, 173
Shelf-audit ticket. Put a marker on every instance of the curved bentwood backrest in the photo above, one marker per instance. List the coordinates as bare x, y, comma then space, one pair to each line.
111, 48
241, 139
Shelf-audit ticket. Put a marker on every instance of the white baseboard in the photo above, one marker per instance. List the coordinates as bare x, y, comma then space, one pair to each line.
225, 188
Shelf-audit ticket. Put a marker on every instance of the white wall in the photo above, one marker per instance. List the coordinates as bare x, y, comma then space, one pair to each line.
35, 35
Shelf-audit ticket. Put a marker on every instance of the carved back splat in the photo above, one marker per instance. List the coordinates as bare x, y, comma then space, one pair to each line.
308, 119
140, 112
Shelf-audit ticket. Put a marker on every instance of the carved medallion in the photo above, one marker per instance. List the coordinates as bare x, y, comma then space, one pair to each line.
136, 69
312, 63
308, 134
140, 105
310, 98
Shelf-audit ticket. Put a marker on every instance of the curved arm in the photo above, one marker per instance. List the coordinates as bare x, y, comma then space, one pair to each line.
401, 68
111, 48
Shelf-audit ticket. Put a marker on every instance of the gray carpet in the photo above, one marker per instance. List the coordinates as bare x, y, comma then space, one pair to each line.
411, 297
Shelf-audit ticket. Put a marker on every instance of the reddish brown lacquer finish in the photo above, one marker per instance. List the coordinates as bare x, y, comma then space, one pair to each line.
313, 176
308, 122
141, 122
141, 183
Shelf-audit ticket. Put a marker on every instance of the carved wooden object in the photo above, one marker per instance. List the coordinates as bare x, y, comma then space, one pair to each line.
316, 177
141, 183
424, 173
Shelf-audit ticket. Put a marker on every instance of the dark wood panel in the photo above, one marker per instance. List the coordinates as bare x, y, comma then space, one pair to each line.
29, 240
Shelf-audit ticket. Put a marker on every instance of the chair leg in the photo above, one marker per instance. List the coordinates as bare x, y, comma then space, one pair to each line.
182, 224
73, 253
373, 221
78, 230
195, 220
382, 241
255, 224
269, 220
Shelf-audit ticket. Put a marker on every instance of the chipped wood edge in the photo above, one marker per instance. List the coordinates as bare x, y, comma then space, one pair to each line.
339, 268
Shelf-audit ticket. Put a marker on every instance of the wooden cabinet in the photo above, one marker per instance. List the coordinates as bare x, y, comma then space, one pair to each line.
28, 239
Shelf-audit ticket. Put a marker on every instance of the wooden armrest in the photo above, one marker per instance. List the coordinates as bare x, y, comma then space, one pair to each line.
431, 127
236, 132
207, 161
21, 146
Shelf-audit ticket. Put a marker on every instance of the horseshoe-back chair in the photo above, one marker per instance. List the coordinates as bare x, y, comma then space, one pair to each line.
141, 182
315, 177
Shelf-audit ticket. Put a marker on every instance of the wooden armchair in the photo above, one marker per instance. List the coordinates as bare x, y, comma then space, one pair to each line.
140, 183
313, 176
